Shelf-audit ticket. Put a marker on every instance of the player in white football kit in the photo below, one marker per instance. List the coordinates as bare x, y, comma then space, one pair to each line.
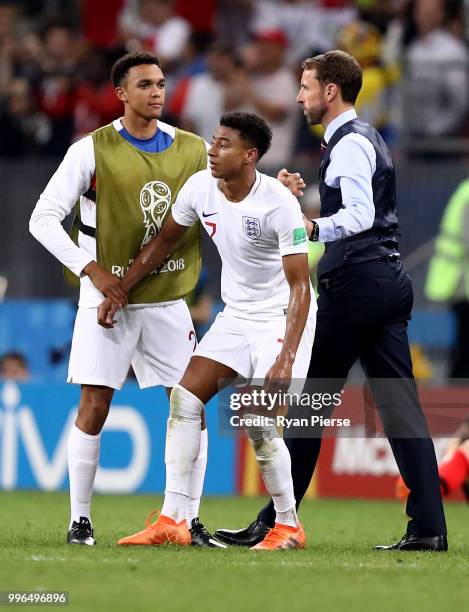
156, 338
265, 331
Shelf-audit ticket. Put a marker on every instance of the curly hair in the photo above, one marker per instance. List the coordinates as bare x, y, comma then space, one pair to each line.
252, 128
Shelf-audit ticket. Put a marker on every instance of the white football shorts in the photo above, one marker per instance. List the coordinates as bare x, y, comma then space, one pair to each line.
251, 347
157, 340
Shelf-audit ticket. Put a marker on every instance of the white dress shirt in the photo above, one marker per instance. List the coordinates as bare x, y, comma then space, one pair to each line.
351, 168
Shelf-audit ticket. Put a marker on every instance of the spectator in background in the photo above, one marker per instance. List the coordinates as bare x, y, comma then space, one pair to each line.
267, 90
24, 130
436, 81
156, 27
363, 41
448, 276
193, 63
234, 21
56, 91
311, 27
201, 100
96, 103
14, 366
194, 55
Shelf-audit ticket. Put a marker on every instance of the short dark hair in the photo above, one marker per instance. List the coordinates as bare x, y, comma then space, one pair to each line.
340, 68
122, 66
252, 128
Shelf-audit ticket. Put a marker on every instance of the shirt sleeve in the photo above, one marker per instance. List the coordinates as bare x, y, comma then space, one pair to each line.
183, 209
71, 180
288, 224
351, 169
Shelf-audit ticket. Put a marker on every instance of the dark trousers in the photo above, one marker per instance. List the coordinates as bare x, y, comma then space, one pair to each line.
363, 310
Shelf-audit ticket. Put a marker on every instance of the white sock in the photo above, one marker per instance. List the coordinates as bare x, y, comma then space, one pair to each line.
274, 463
197, 479
289, 517
83, 457
182, 450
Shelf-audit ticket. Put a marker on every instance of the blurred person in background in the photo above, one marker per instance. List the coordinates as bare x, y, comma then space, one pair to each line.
453, 469
154, 24
309, 26
201, 100
194, 56
95, 101
267, 89
363, 41
448, 276
14, 366
24, 130
435, 86
57, 88
234, 21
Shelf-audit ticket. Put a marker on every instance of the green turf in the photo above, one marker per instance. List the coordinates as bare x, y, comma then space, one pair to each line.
337, 571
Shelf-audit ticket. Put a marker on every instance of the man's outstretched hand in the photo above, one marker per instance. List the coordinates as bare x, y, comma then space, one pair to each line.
106, 313
109, 285
292, 181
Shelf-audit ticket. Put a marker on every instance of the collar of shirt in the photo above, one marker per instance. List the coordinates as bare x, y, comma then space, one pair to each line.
338, 122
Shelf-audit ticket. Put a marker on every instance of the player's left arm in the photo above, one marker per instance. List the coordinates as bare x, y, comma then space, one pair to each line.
296, 271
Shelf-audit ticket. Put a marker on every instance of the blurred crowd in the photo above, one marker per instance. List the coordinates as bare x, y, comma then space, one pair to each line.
218, 55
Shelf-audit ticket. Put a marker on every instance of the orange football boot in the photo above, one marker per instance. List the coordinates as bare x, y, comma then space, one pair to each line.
164, 530
282, 537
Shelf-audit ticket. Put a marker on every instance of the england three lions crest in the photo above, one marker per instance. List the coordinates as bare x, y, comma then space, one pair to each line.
252, 227
155, 199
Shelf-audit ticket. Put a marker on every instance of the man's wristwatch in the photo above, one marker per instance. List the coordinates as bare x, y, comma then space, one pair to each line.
315, 232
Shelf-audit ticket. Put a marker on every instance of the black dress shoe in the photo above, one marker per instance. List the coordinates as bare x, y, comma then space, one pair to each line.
250, 536
81, 533
413, 542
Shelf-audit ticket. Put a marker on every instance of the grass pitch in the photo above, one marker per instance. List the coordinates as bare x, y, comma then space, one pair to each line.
337, 571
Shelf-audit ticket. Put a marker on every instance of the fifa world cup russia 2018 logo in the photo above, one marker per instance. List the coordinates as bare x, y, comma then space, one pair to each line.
155, 199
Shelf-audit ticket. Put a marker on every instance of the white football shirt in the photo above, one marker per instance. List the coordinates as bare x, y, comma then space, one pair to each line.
251, 237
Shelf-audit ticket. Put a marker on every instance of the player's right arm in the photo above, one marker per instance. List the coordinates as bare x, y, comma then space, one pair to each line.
154, 254
151, 257
71, 180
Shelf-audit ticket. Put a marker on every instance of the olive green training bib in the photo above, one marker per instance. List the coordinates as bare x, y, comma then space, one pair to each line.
134, 192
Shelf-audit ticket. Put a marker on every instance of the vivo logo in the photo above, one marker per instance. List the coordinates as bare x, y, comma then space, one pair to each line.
18, 425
